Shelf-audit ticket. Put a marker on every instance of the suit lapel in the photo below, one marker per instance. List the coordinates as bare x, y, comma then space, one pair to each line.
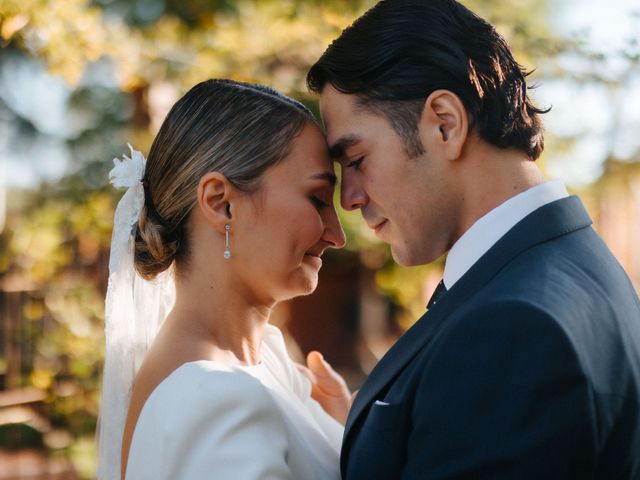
549, 221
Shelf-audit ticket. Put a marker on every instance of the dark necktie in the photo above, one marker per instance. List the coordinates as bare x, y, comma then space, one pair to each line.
437, 293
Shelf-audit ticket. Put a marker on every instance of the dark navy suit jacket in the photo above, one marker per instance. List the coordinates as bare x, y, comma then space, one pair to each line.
528, 368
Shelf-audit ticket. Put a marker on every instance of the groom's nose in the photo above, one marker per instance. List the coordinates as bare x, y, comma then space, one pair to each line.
352, 195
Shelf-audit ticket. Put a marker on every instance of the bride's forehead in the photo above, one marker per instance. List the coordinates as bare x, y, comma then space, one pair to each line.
299, 169
308, 151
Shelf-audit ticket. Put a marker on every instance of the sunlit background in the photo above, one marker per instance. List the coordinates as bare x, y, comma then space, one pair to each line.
79, 79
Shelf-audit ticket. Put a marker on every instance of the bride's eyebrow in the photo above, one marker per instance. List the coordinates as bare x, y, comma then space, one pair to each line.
328, 176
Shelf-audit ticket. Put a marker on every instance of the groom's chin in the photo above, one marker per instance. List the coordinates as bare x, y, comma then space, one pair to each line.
408, 258
401, 258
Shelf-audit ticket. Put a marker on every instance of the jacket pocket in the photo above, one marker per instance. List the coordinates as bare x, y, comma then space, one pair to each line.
384, 417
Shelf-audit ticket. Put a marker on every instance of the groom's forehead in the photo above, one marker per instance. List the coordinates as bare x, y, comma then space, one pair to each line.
335, 105
338, 112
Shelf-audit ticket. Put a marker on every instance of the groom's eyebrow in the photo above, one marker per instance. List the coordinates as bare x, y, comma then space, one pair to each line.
328, 176
339, 147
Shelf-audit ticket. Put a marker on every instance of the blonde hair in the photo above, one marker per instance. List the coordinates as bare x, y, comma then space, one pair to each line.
237, 129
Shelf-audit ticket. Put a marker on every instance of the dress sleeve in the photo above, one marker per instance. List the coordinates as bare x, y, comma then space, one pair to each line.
217, 425
330, 427
301, 387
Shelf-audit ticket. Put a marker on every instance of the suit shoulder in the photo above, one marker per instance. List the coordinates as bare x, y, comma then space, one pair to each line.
575, 270
512, 315
512, 331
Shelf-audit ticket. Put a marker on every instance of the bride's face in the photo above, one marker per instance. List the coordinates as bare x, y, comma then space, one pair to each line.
283, 230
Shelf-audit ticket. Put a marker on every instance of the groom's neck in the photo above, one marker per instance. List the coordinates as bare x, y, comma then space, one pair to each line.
488, 177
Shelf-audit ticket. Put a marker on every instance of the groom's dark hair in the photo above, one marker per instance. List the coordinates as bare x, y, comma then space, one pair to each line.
400, 51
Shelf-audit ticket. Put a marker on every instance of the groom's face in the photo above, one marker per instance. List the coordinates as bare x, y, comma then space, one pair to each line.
406, 201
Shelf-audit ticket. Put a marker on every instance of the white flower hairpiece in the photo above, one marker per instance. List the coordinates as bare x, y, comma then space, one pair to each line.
128, 172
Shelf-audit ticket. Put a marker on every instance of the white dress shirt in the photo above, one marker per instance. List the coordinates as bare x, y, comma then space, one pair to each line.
487, 230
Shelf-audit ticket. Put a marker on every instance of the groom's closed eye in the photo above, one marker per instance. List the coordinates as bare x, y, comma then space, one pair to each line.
355, 164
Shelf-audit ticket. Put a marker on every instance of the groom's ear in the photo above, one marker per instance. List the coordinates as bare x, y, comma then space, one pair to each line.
214, 199
445, 123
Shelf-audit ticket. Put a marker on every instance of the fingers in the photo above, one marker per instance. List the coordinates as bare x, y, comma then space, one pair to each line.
327, 379
328, 387
319, 366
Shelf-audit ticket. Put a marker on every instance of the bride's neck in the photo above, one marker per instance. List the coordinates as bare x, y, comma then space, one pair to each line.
220, 315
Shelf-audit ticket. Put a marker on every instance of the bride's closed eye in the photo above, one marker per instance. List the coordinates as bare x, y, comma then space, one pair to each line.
318, 202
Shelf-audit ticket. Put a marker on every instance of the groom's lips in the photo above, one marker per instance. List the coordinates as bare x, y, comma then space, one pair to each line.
378, 226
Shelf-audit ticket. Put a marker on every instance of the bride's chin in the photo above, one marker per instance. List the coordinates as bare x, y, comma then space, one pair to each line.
307, 284
299, 288
311, 287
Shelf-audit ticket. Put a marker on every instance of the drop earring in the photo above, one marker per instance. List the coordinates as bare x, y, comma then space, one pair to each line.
227, 252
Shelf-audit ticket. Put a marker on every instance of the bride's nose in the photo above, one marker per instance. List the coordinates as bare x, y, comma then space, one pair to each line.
333, 232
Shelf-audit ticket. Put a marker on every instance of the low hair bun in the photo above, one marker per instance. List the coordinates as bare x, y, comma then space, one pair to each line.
155, 247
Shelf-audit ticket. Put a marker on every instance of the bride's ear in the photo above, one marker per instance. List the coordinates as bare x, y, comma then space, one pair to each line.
214, 199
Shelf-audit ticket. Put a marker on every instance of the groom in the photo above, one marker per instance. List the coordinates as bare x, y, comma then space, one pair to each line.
527, 362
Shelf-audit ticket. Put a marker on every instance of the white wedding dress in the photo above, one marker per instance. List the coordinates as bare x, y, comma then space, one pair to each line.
208, 420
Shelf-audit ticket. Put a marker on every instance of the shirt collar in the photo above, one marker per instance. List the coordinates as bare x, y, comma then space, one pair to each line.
488, 229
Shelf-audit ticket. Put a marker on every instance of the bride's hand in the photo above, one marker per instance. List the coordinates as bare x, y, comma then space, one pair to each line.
328, 388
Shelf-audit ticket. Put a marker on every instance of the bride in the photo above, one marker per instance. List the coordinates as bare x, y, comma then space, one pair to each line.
229, 215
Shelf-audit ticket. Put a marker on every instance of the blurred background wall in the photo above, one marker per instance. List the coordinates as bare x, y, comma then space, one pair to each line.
79, 79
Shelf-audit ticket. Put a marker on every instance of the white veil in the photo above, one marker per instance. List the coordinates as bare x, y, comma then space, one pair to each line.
134, 311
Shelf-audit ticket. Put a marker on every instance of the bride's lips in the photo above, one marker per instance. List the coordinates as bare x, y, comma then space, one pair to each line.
313, 259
